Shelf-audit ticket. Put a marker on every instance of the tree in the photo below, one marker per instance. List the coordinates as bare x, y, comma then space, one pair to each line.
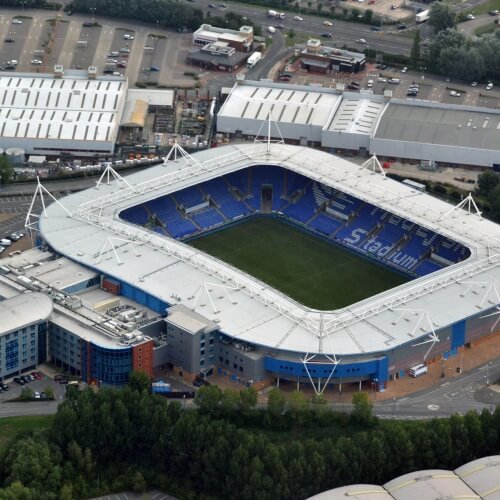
415, 49
208, 398
138, 381
362, 408
230, 400
26, 394
6, 170
49, 392
487, 182
297, 407
495, 204
368, 16
248, 398
276, 402
16, 491
441, 16
138, 483
444, 39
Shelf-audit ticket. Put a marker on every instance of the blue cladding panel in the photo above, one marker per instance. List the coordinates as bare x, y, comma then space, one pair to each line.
141, 297
458, 335
374, 369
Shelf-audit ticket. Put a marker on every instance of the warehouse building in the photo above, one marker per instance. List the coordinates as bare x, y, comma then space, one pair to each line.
479, 479
364, 123
68, 112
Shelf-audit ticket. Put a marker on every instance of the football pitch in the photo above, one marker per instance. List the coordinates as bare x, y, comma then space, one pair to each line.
310, 270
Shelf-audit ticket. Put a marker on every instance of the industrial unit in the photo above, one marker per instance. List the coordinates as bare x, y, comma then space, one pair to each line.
368, 123
73, 112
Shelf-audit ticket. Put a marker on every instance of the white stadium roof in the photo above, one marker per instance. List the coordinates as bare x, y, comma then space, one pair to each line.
250, 310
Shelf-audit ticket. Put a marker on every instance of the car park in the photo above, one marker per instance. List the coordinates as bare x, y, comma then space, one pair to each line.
489, 86
298, 18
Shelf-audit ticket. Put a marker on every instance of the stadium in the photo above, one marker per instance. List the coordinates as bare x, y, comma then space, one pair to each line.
275, 262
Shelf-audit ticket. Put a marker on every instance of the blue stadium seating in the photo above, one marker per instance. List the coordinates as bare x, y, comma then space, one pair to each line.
325, 224
427, 267
359, 225
207, 218
189, 197
135, 215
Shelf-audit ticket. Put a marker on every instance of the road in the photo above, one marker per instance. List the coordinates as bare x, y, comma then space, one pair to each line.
458, 395
343, 32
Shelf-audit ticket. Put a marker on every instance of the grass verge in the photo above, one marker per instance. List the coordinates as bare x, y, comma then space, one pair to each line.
11, 427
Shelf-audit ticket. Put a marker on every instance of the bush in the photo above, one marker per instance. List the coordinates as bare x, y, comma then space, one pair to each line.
26, 394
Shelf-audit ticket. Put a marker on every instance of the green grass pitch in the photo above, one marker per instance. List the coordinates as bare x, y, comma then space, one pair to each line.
308, 269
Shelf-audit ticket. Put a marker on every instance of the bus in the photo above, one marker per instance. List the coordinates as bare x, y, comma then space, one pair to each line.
417, 370
415, 185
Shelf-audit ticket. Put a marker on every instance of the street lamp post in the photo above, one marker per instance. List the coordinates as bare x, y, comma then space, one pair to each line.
92, 10
24, 5
157, 26
488, 373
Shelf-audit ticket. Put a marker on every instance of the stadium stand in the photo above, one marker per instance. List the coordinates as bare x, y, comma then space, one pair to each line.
324, 210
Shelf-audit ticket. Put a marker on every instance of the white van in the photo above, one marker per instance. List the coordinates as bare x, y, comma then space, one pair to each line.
417, 370
395, 81
271, 29
5, 242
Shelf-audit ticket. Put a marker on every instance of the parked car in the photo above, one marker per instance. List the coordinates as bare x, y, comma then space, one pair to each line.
493, 12
326, 35
327, 23
473, 84
36, 62
401, 26
16, 21
154, 68
394, 81
470, 17
128, 36
37, 375
4, 386
9, 40
19, 381
88, 24
36, 395
404, 70
375, 28
361, 40
454, 93
279, 26
489, 86
2, 249
298, 18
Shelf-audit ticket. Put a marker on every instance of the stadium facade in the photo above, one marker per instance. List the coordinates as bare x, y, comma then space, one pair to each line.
213, 318
350, 121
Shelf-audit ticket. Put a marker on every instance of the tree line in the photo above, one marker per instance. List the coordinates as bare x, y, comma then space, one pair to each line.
169, 13
451, 53
112, 440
